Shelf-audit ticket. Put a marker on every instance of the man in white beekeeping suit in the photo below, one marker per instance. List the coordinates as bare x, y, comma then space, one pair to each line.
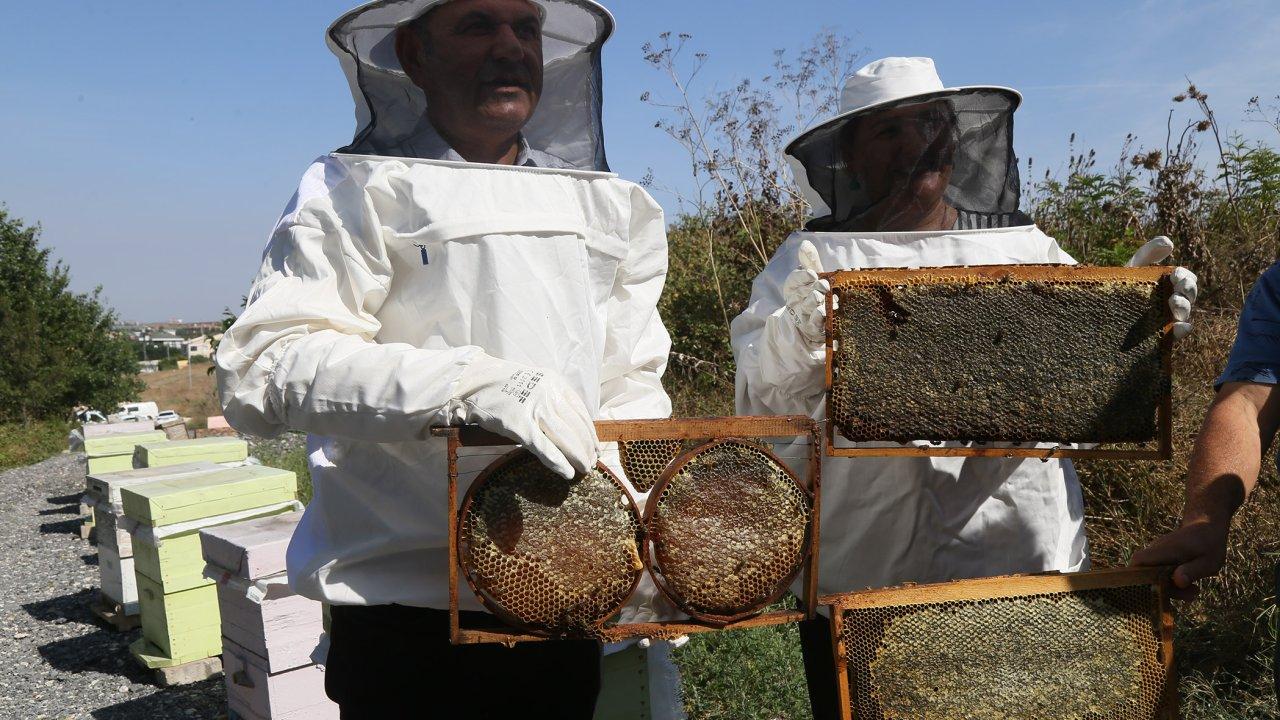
909, 174
467, 259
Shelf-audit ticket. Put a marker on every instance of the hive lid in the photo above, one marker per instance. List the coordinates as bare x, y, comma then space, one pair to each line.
251, 549
199, 496
100, 430
120, 444
107, 485
213, 449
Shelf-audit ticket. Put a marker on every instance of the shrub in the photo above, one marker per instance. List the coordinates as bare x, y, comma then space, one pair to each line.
59, 347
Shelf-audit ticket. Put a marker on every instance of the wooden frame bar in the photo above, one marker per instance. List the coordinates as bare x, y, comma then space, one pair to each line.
999, 273
629, 430
1008, 587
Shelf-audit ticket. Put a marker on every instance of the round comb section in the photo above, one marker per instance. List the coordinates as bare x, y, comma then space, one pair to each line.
551, 555
645, 460
729, 527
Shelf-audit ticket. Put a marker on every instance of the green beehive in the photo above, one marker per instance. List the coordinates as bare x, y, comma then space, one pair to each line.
106, 487
109, 445
109, 463
195, 497
183, 626
176, 562
212, 449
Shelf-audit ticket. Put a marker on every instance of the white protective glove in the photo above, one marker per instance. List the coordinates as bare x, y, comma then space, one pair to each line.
806, 296
534, 407
1184, 282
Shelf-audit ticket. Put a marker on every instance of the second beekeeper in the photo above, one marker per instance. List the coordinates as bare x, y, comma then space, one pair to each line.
910, 173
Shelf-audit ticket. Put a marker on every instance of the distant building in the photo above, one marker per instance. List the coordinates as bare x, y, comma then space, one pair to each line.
148, 366
202, 345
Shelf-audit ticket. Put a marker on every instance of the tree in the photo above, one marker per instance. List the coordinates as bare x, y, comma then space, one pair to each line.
58, 349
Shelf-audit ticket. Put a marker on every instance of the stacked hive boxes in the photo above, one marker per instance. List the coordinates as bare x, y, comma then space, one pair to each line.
180, 620
269, 632
176, 452
109, 448
115, 548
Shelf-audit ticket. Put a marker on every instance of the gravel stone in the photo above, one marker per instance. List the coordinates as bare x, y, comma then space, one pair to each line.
56, 659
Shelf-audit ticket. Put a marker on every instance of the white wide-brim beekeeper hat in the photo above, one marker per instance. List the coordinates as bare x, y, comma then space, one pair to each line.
985, 176
391, 111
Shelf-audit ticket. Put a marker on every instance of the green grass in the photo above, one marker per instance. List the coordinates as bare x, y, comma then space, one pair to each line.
753, 674
26, 443
294, 459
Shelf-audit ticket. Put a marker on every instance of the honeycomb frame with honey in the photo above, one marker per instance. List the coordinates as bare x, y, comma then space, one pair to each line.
1077, 646
548, 554
725, 540
659, 438
1000, 361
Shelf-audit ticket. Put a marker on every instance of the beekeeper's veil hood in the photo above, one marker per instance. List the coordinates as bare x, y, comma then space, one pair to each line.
969, 128
391, 112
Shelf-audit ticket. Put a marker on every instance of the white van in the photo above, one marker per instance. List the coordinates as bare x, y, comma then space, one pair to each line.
137, 411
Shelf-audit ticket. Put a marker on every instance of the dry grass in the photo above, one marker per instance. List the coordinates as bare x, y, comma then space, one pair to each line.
196, 401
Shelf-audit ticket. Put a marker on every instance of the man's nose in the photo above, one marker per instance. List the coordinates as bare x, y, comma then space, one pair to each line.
506, 46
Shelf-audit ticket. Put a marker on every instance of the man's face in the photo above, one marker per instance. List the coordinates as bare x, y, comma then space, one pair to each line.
903, 157
480, 64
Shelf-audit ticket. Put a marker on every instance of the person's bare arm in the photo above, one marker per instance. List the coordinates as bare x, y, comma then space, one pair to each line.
1240, 425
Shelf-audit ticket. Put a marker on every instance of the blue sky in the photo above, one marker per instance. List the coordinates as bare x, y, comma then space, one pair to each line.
157, 141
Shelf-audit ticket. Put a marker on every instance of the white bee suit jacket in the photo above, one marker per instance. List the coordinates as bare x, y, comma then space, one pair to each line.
385, 278
886, 521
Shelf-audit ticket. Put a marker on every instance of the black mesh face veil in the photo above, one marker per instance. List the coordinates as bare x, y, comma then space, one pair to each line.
968, 132
391, 112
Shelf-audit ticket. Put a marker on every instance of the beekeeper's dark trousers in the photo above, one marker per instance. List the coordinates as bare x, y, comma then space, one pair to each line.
391, 661
820, 668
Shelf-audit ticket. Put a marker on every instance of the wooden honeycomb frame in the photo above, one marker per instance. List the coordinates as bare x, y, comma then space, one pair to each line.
1064, 274
1012, 587
704, 429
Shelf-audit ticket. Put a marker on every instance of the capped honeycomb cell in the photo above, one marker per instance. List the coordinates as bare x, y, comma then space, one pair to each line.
999, 353
547, 554
729, 526
645, 460
1081, 655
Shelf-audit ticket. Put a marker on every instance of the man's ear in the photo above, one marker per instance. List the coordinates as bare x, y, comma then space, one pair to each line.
409, 50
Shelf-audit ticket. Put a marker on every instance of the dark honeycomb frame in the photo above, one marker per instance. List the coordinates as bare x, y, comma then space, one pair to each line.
858, 700
1157, 447
704, 430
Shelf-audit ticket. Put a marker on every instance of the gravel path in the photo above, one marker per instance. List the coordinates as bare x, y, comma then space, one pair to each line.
56, 659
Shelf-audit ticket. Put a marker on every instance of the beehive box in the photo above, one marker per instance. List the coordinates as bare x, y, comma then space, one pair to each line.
260, 613
121, 443
195, 497
90, 431
109, 463
254, 693
1025, 354
117, 579
175, 561
1085, 646
183, 626
106, 486
251, 549
110, 533
176, 452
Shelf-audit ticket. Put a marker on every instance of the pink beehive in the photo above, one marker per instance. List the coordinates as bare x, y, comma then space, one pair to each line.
269, 632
